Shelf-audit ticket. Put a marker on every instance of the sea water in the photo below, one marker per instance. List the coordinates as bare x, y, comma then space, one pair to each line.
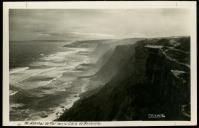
42, 76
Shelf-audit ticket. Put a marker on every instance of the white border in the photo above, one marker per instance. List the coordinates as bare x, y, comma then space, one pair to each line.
99, 5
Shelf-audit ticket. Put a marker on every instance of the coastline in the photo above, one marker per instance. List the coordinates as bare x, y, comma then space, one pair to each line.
61, 66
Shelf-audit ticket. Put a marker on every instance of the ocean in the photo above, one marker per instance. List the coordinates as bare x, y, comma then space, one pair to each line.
44, 78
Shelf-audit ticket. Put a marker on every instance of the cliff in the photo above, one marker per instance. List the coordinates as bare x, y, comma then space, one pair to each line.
152, 82
113, 56
117, 60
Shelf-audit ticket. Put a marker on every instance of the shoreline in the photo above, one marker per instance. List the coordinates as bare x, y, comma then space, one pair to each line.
58, 111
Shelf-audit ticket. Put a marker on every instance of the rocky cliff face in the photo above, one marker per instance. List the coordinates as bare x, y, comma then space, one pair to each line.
151, 83
168, 74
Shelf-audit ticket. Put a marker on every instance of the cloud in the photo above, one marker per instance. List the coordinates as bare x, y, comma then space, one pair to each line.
30, 24
94, 34
44, 34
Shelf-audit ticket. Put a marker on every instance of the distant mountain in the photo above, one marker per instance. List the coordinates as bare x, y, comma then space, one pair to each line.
148, 80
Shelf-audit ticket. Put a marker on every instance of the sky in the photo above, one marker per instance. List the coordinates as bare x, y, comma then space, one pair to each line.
81, 24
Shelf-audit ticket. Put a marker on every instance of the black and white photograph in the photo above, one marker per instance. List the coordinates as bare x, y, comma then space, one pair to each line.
111, 64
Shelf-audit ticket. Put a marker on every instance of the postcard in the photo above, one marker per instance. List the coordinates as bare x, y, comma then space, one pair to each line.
99, 63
